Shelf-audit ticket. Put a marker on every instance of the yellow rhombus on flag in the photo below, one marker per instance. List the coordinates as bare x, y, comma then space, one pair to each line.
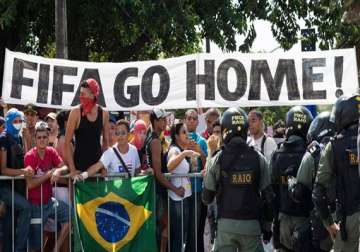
137, 216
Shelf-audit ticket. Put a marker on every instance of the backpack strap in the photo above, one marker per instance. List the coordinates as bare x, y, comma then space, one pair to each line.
263, 144
121, 161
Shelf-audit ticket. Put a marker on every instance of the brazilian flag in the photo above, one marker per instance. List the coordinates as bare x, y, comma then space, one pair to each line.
117, 215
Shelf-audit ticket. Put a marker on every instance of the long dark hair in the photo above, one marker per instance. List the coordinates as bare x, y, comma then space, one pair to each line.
175, 131
61, 118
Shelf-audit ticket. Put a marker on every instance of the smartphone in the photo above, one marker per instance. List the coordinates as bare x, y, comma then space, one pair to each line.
191, 136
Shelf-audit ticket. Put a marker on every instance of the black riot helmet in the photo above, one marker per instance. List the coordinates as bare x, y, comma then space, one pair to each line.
321, 128
345, 112
298, 121
234, 122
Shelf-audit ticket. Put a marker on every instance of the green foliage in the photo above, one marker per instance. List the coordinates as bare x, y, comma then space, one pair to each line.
130, 30
273, 114
126, 30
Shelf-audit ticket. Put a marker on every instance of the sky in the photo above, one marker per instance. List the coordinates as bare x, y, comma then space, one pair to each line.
264, 41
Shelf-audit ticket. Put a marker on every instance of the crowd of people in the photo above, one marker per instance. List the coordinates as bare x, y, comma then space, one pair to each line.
278, 170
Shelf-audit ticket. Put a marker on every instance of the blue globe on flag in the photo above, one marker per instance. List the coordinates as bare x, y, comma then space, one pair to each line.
112, 221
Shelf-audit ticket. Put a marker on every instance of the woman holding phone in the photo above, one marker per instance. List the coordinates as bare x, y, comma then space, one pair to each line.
179, 163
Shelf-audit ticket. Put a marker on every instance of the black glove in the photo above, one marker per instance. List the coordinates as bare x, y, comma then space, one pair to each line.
267, 236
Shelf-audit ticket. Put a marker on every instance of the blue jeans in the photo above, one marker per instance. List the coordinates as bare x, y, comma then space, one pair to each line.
62, 212
179, 221
22, 215
197, 216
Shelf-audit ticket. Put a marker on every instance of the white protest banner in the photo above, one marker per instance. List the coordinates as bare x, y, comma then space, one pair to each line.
198, 80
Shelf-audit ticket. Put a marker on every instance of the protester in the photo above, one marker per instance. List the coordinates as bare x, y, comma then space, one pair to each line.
265, 144
12, 164
50, 119
170, 121
31, 117
214, 140
87, 122
122, 157
3, 107
211, 116
2, 124
62, 118
179, 163
61, 191
112, 128
139, 134
48, 167
153, 149
144, 115
214, 143
279, 132
199, 145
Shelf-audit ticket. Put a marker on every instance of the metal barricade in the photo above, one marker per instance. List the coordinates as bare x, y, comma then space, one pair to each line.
71, 210
191, 236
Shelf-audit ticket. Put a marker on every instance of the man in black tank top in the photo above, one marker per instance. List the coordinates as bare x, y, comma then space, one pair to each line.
88, 122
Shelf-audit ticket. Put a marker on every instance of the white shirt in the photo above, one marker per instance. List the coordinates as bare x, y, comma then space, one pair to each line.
112, 163
269, 146
201, 127
182, 168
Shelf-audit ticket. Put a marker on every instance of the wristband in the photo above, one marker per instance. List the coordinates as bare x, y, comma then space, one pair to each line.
84, 175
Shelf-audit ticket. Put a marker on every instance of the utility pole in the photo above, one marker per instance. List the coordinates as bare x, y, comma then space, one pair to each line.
307, 46
61, 29
207, 41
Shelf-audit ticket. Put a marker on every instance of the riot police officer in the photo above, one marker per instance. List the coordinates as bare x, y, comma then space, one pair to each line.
339, 161
284, 164
238, 176
358, 141
319, 134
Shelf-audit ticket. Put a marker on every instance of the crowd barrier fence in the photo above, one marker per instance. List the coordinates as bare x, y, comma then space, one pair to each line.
69, 198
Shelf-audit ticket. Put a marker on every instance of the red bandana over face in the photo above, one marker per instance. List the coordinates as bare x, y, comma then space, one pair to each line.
88, 103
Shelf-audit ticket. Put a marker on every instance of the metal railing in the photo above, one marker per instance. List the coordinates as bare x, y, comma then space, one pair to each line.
70, 194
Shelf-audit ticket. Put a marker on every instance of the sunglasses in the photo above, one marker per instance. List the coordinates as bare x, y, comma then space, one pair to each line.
121, 133
42, 137
192, 118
